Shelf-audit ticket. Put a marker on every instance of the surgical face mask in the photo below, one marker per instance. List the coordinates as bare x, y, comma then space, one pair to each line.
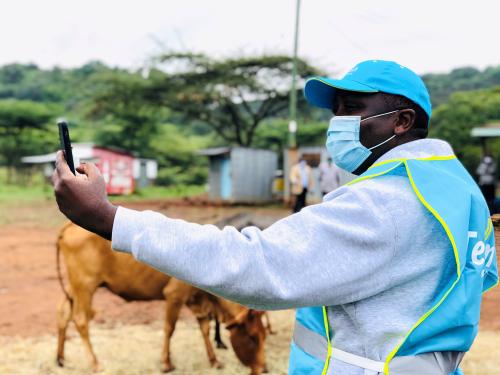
343, 143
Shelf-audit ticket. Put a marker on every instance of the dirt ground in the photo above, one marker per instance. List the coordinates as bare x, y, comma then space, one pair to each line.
29, 288
128, 335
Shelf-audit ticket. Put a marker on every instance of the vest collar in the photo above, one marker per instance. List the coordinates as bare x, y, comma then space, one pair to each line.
421, 148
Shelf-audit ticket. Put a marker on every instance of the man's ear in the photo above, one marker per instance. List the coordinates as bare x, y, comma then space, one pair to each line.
405, 121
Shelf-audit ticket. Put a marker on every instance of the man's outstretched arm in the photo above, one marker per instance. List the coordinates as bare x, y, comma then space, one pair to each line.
327, 254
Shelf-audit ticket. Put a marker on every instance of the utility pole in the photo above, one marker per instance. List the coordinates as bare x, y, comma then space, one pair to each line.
292, 125
291, 156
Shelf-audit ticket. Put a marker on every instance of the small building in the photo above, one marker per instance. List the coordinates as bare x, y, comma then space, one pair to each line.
490, 130
121, 169
241, 175
145, 172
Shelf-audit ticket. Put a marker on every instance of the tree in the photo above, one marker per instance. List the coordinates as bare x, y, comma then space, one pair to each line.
231, 96
130, 121
441, 86
21, 121
454, 120
127, 119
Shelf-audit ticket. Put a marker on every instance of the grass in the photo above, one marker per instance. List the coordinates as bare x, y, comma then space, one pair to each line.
160, 192
35, 204
14, 194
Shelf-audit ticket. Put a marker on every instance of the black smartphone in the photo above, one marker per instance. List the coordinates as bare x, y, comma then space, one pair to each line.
66, 144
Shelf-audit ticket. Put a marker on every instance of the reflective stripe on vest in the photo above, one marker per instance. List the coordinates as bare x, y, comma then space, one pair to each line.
317, 346
436, 363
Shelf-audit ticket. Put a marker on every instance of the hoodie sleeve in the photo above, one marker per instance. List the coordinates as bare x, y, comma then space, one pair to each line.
331, 253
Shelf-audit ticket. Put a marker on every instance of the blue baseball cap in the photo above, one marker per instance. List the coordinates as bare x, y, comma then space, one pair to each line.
370, 76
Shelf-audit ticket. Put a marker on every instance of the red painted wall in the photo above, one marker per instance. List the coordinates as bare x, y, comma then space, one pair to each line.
117, 169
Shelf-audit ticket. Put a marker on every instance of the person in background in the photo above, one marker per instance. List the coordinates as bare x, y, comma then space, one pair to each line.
329, 176
486, 172
301, 180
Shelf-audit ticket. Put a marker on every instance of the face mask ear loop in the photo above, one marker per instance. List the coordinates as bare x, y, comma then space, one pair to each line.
382, 114
380, 144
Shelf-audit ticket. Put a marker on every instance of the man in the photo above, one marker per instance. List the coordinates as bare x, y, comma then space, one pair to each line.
486, 172
395, 262
329, 178
301, 183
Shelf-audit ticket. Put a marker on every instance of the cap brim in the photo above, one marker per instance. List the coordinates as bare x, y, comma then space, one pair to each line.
320, 91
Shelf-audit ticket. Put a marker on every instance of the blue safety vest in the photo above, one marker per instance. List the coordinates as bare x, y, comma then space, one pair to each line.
436, 342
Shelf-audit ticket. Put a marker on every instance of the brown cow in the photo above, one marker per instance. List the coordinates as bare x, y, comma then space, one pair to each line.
92, 263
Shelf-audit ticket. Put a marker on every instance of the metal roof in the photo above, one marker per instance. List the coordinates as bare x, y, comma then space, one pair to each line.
39, 159
226, 150
81, 151
214, 151
487, 131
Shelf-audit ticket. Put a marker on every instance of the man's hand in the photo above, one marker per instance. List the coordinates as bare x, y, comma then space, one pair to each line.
83, 198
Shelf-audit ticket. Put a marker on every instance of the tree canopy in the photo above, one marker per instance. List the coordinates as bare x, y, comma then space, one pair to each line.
441, 86
231, 96
184, 102
22, 128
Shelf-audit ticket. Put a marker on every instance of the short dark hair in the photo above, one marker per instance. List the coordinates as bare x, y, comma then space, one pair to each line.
421, 126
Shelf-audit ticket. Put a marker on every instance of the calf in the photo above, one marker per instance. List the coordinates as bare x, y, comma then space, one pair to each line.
91, 263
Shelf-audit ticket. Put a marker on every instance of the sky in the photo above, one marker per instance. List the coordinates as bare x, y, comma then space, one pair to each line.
426, 36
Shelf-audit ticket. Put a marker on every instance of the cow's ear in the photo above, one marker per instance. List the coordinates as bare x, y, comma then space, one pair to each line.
231, 324
238, 319
255, 313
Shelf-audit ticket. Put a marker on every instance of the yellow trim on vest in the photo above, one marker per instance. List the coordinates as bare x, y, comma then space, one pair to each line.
491, 287
329, 352
489, 229
373, 175
400, 160
420, 321
457, 261
428, 158
437, 216
487, 233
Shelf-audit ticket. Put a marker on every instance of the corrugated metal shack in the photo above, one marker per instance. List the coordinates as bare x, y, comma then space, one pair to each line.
241, 175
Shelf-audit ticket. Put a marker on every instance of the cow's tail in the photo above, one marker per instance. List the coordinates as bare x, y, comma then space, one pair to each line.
58, 265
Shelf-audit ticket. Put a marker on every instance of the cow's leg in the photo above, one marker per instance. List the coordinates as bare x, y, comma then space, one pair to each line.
204, 323
259, 366
217, 338
63, 318
268, 324
82, 313
172, 310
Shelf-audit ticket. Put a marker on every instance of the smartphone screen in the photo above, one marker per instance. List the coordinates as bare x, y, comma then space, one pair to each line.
66, 144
